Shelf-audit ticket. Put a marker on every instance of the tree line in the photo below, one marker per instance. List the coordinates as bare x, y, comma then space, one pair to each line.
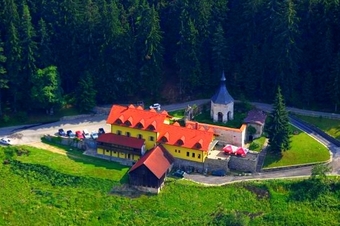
101, 51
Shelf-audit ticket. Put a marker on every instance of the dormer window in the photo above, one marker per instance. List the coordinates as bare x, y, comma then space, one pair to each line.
140, 125
151, 127
180, 142
118, 121
127, 123
198, 146
164, 139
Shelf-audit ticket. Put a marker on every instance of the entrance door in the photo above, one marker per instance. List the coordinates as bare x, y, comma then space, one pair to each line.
220, 117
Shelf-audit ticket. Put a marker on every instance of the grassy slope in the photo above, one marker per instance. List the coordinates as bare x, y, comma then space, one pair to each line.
304, 149
329, 126
180, 203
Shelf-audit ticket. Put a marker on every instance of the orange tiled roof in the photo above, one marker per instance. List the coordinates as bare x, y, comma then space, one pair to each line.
209, 127
185, 137
157, 160
111, 138
137, 117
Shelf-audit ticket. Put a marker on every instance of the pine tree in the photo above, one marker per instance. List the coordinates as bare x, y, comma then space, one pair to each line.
29, 50
278, 127
334, 83
150, 51
46, 91
3, 80
85, 94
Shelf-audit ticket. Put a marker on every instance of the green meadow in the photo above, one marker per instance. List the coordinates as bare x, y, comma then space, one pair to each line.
44, 188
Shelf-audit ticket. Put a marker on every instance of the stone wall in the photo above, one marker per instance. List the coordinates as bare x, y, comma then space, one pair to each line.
187, 165
231, 136
246, 164
148, 189
76, 143
215, 164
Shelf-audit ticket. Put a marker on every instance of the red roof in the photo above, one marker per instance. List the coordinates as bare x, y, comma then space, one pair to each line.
137, 117
211, 128
158, 160
121, 140
256, 116
186, 137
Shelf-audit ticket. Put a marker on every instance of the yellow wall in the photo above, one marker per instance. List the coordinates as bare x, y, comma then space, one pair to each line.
181, 153
117, 154
135, 132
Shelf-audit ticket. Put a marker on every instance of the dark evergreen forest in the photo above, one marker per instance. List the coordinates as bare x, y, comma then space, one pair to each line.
103, 51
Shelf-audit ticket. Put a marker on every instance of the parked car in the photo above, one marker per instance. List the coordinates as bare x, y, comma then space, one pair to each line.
179, 173
61, 132
94, 135
5, 141
86, 134
70, 134
79, 135
101, 131
156, 106
219, 172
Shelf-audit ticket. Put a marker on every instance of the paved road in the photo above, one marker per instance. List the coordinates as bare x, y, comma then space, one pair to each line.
92, 123
27, 134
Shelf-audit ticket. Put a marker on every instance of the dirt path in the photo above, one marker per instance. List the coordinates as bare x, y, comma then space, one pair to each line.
48, 147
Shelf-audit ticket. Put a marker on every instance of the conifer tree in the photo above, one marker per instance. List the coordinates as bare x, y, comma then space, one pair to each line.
46, 91
278, 128
334, 83
3, 80
85, 94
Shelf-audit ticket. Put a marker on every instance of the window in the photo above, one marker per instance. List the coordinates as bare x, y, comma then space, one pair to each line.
193, 155
128, 134
119, 132
107, 150
151, 139
140, 136
115, 152
188, 154
179, 151
176, 150
199, 156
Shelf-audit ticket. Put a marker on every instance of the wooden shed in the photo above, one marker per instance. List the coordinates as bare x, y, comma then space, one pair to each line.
149, 172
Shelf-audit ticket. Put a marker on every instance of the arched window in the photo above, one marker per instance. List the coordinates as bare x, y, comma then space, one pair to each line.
229, 115
220, 117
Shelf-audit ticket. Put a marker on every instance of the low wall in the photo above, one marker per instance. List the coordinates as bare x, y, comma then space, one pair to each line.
72, 142
215, 164
244, 164
188, 165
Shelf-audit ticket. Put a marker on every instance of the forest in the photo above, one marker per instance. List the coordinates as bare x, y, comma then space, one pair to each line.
91, 52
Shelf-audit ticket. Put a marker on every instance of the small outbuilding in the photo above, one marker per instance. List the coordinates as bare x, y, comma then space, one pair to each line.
222, 103
149, 172
255, 118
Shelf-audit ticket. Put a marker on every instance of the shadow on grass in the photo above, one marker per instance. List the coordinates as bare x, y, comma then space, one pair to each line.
309, 189
271, 158
77, 155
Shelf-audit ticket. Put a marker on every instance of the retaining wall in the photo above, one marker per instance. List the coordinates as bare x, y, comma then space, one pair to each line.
244, 164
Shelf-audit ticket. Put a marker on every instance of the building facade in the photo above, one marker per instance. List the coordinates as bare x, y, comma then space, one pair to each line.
222, 103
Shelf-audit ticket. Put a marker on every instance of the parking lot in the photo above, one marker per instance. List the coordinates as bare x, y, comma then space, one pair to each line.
32, 134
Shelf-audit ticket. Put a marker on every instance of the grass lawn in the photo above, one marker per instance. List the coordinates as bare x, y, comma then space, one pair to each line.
329, 126
27, 196
177, 114
76, 164
257, 144
304, 149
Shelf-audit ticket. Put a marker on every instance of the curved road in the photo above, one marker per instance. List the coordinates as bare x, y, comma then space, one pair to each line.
27, 135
